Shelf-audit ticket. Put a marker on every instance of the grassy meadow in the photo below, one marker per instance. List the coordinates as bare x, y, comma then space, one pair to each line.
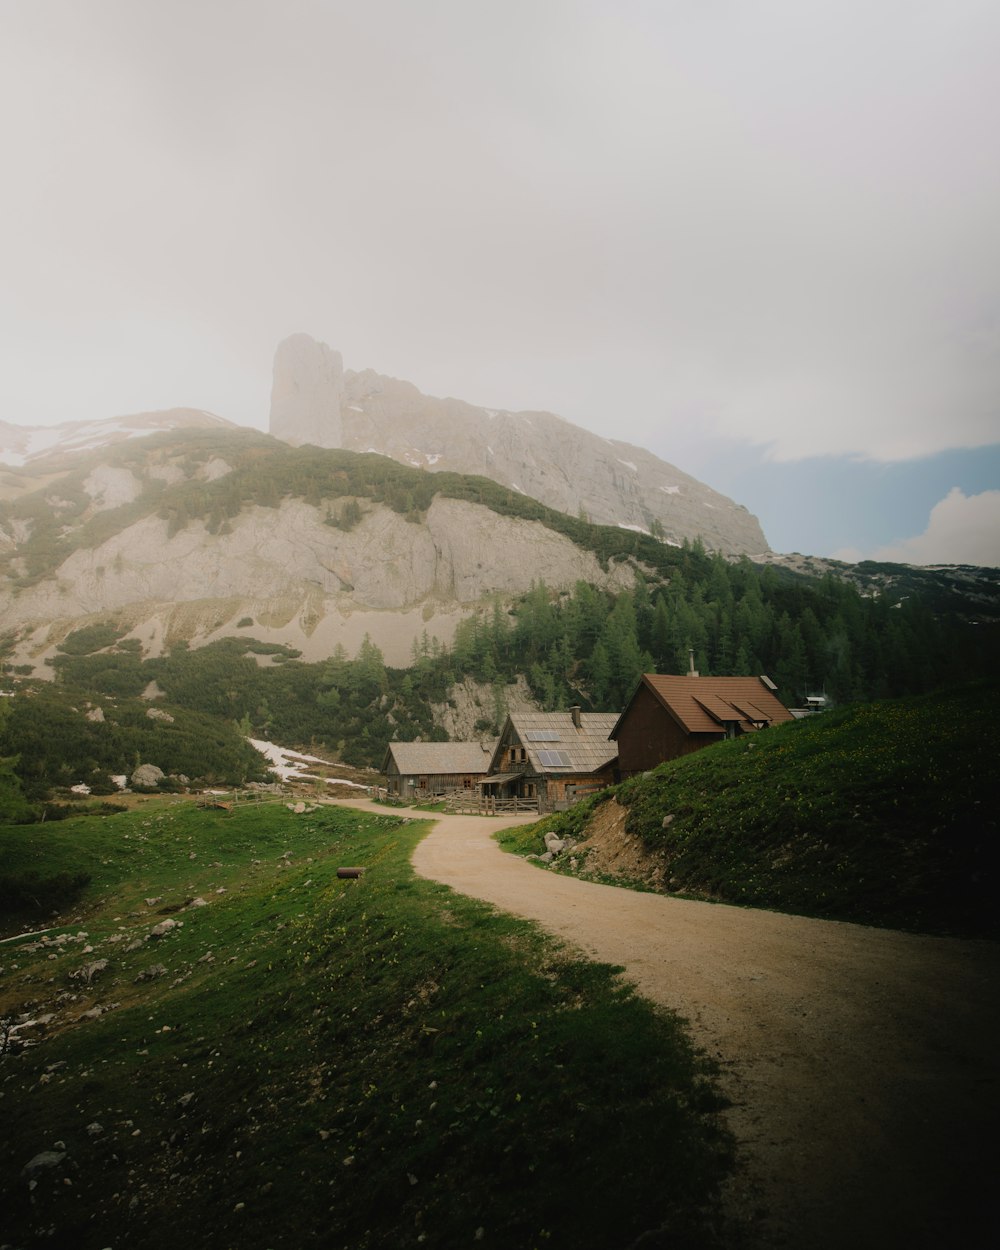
312, 1061
883, 813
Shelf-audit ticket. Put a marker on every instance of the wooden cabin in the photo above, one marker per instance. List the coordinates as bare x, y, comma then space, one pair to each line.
553, 757
669, 716
425, 770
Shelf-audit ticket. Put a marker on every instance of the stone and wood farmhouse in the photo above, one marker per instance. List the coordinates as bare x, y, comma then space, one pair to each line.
669, 716
553, 758
425, 770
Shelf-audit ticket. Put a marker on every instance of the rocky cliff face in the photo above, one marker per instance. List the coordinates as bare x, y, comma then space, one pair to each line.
535, 453
307, 393
299, 581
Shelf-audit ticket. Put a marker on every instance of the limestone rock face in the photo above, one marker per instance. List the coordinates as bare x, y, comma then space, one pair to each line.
535, 453
307, 393
310, 584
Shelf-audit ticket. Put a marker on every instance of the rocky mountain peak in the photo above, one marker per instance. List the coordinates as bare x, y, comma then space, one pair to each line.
537, 454
307, 393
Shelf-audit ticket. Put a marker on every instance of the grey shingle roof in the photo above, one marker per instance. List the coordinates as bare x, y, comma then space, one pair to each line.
586, 749
439, 758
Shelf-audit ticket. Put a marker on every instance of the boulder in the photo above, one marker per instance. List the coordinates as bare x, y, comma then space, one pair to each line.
148, 775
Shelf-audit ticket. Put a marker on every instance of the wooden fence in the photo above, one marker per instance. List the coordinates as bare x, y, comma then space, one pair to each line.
472, 803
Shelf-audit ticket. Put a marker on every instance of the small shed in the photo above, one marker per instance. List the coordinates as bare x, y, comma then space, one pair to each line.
423, 770
669, 716
553, 757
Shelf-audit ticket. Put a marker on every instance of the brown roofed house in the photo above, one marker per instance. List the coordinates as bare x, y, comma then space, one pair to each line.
668, 716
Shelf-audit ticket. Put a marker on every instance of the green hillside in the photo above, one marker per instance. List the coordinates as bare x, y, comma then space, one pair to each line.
857, 633
884, 813
311, 1061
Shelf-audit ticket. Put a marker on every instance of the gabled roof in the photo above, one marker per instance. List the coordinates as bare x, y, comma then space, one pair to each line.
439, 758
555, 745
705, 705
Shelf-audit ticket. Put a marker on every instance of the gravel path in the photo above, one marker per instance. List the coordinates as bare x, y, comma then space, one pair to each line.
862, 1063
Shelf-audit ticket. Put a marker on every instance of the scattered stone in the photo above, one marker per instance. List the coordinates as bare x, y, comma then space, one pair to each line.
163, 928
667, 821
185, 1099
95, 1129
88, 972
198, 902
151, 902
151, 973
548, 857
554, 843
43, 1162
155, 713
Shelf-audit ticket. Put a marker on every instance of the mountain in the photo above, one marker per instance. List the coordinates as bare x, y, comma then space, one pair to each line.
22, 445
314, 400
199, 534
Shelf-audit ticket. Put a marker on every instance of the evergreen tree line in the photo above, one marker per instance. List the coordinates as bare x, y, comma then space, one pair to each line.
586, 646
735, 620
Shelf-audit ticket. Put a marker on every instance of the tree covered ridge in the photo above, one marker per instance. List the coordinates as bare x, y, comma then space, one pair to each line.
584, 646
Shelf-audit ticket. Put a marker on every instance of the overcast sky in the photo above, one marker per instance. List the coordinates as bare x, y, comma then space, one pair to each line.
759, 237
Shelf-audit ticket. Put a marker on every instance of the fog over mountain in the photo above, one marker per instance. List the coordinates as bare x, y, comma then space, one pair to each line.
314, 400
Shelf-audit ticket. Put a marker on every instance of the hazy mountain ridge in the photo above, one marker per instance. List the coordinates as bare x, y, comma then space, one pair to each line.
314, 400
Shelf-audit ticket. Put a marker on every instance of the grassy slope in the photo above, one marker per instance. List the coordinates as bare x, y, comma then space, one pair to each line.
340, 1063
884, 813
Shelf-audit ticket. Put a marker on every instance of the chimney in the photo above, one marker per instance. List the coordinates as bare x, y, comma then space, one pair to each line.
692, 671
575, 713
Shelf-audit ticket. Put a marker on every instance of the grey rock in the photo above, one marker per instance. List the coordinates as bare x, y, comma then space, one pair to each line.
147, 775
44, 1161
88, 972
554, 843
163, 928
307, 393
151, 973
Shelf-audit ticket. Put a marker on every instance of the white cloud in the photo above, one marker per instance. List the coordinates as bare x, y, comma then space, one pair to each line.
961, 529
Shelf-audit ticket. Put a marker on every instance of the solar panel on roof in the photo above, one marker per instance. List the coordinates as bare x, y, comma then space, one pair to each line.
554, 759
543, 735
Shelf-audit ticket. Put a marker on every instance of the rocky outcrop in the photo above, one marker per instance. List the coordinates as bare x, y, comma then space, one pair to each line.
535, 453
307, 393
303, 582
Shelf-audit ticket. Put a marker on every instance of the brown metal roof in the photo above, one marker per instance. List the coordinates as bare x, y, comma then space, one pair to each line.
584, 750
439, 758
701, 704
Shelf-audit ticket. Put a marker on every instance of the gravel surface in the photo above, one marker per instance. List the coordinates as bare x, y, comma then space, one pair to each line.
861, 1063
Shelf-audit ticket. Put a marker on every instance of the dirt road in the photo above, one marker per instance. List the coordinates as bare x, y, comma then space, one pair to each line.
862, 1063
